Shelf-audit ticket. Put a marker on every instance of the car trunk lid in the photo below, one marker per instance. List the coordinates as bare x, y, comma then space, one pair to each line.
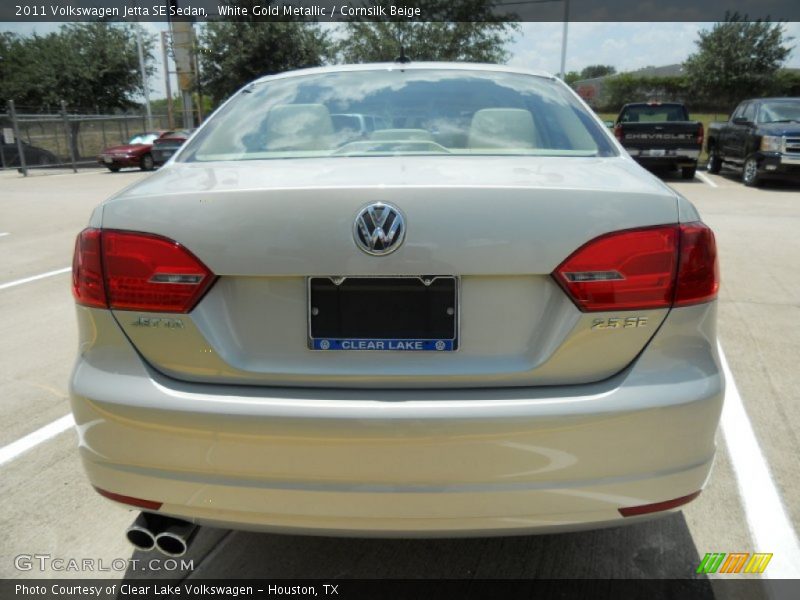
499, 225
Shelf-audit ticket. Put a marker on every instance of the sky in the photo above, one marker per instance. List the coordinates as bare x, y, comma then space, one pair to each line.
626, 46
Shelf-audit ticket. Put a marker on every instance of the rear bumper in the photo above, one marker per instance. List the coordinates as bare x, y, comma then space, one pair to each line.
673, 158
162, 156
120, 162
403, 462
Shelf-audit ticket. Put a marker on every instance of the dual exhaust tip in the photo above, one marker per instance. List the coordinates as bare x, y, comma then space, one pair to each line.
169, 536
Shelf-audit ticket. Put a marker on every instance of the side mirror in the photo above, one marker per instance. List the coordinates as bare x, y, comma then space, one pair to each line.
609, 124
741, 121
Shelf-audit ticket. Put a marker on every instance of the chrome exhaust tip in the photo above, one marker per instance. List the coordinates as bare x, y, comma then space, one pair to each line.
176, 536
140, 533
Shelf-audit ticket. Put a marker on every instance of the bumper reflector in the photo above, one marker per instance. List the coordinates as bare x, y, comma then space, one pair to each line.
633, 511
137, 502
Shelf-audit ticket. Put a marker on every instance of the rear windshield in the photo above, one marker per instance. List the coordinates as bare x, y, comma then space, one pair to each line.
397, 112
653, 113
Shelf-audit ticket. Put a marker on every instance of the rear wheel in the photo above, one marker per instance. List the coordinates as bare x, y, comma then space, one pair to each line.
714, 160
750, 172
688, 172
146, 163
113, 169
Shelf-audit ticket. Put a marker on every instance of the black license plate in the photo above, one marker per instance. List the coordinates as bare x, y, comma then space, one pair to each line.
383, 313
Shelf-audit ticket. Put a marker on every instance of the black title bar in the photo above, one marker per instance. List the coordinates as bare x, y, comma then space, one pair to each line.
393, 589
399, 10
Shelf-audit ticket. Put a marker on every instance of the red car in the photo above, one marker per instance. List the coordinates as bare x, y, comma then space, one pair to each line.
136, 153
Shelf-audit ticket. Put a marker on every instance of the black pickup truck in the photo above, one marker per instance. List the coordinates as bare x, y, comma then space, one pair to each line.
660, 135
762, 138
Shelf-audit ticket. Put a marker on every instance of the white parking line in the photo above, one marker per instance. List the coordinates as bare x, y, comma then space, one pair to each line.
17, 282
770, 527
705, 179
3, 234
22, 445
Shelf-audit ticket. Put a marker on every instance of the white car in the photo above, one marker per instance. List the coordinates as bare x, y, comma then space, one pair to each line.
492, 321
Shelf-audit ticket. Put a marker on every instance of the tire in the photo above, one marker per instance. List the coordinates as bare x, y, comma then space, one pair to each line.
714, 160
146, 164
113, 169
688, 172
750, 175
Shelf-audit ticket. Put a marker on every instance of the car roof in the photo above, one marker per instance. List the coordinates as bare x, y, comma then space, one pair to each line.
410, 66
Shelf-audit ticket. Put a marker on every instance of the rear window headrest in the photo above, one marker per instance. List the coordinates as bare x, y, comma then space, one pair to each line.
502, 128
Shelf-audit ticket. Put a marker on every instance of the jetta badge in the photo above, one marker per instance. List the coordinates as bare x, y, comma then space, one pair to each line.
379, 229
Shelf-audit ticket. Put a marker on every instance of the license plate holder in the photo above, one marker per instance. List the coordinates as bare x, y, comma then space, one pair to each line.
403, 314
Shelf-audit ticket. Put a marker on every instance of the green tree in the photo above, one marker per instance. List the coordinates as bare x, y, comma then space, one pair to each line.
571, 77
736, 59
627, 87
454, 31
90, 66
593, 71
234, 53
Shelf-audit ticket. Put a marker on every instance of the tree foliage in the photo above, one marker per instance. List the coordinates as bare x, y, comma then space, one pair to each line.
593, 71
456, 31
91, 66
737, 59
627, 87
234, 53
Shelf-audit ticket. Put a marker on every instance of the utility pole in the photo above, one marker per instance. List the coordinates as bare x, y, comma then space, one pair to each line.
564, 41
170, 109
145, 83
182, 52
20, 148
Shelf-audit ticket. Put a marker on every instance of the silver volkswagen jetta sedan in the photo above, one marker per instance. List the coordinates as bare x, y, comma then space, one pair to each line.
481, 317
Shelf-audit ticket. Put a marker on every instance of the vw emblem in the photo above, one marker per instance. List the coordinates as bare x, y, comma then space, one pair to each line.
379, 229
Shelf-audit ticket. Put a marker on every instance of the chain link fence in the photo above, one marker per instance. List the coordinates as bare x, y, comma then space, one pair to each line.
65, 139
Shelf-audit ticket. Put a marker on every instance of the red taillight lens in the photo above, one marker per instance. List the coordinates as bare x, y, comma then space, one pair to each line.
701, 135
698, 273
627, 270
87, 270
137, 271
640, 269
618, 131
152, 273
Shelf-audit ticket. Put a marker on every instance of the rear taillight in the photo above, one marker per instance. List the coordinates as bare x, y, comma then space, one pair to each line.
638, 269
137, 271
701, 135
87, 270
618, 131
698, 271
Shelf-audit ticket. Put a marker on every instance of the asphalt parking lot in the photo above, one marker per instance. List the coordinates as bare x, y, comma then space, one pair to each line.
752, 502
